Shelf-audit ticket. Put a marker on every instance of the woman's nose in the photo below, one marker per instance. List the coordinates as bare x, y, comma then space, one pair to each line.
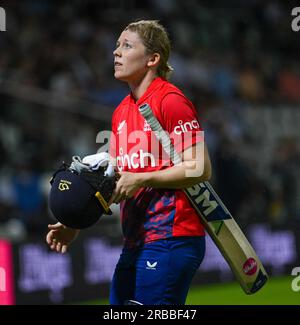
116, 52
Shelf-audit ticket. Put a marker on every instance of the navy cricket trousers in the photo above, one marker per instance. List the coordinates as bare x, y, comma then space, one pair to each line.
158, 273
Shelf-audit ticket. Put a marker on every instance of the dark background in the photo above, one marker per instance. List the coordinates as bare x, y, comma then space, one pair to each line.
238, 61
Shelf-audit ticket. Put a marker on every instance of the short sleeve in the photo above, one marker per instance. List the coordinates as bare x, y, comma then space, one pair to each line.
180, 121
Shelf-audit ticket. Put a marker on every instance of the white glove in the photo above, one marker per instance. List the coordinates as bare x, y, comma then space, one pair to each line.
101, 159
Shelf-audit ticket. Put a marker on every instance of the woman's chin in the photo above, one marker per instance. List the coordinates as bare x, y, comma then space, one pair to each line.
119, 76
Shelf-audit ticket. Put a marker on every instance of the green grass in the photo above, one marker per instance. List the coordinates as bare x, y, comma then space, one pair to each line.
277, 291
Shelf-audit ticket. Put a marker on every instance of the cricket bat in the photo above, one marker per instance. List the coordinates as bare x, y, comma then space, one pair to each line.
217, 220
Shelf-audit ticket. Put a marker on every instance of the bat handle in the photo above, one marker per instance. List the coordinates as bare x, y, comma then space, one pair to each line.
160, 133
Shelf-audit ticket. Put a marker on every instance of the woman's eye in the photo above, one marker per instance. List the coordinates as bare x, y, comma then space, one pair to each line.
124, 45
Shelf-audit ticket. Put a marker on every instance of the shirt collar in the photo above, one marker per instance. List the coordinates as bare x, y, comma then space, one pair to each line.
152, 87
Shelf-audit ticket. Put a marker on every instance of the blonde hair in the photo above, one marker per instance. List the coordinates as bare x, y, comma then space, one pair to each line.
156, 40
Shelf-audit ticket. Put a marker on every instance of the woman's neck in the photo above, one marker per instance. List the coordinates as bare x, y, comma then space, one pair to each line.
139, 88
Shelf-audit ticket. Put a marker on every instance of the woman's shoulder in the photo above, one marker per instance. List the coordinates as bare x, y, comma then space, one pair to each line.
172, 96
170, 88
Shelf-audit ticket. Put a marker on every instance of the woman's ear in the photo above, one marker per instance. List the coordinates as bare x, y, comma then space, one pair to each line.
153, 60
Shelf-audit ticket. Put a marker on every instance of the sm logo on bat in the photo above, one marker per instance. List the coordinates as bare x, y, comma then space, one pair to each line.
201, 196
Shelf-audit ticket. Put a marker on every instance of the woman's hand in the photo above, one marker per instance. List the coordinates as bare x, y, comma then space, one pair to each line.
128, 184
60, 237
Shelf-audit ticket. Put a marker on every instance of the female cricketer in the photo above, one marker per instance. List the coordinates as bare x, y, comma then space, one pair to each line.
164, 240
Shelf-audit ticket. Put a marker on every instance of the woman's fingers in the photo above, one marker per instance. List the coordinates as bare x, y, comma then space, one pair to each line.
58, 247
51, 240
55, 226
49, 237
118, 175
117, 197
120, 197
55, 239
53, 246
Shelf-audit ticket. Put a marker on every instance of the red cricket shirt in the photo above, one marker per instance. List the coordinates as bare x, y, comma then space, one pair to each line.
152, 213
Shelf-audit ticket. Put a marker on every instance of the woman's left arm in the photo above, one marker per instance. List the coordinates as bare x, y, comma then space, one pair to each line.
195, 168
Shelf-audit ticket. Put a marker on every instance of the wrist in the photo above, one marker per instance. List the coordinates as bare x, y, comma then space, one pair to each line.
143, 179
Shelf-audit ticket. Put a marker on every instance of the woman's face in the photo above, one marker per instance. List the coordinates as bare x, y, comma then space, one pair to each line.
130, 57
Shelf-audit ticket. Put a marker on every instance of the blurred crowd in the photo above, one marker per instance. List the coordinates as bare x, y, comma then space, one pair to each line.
229, 60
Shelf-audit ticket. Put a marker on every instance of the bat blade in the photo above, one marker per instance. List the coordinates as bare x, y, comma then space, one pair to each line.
217, 220
228, 237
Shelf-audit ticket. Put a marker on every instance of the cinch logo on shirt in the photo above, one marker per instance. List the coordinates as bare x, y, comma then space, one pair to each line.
136, 160
185, 127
